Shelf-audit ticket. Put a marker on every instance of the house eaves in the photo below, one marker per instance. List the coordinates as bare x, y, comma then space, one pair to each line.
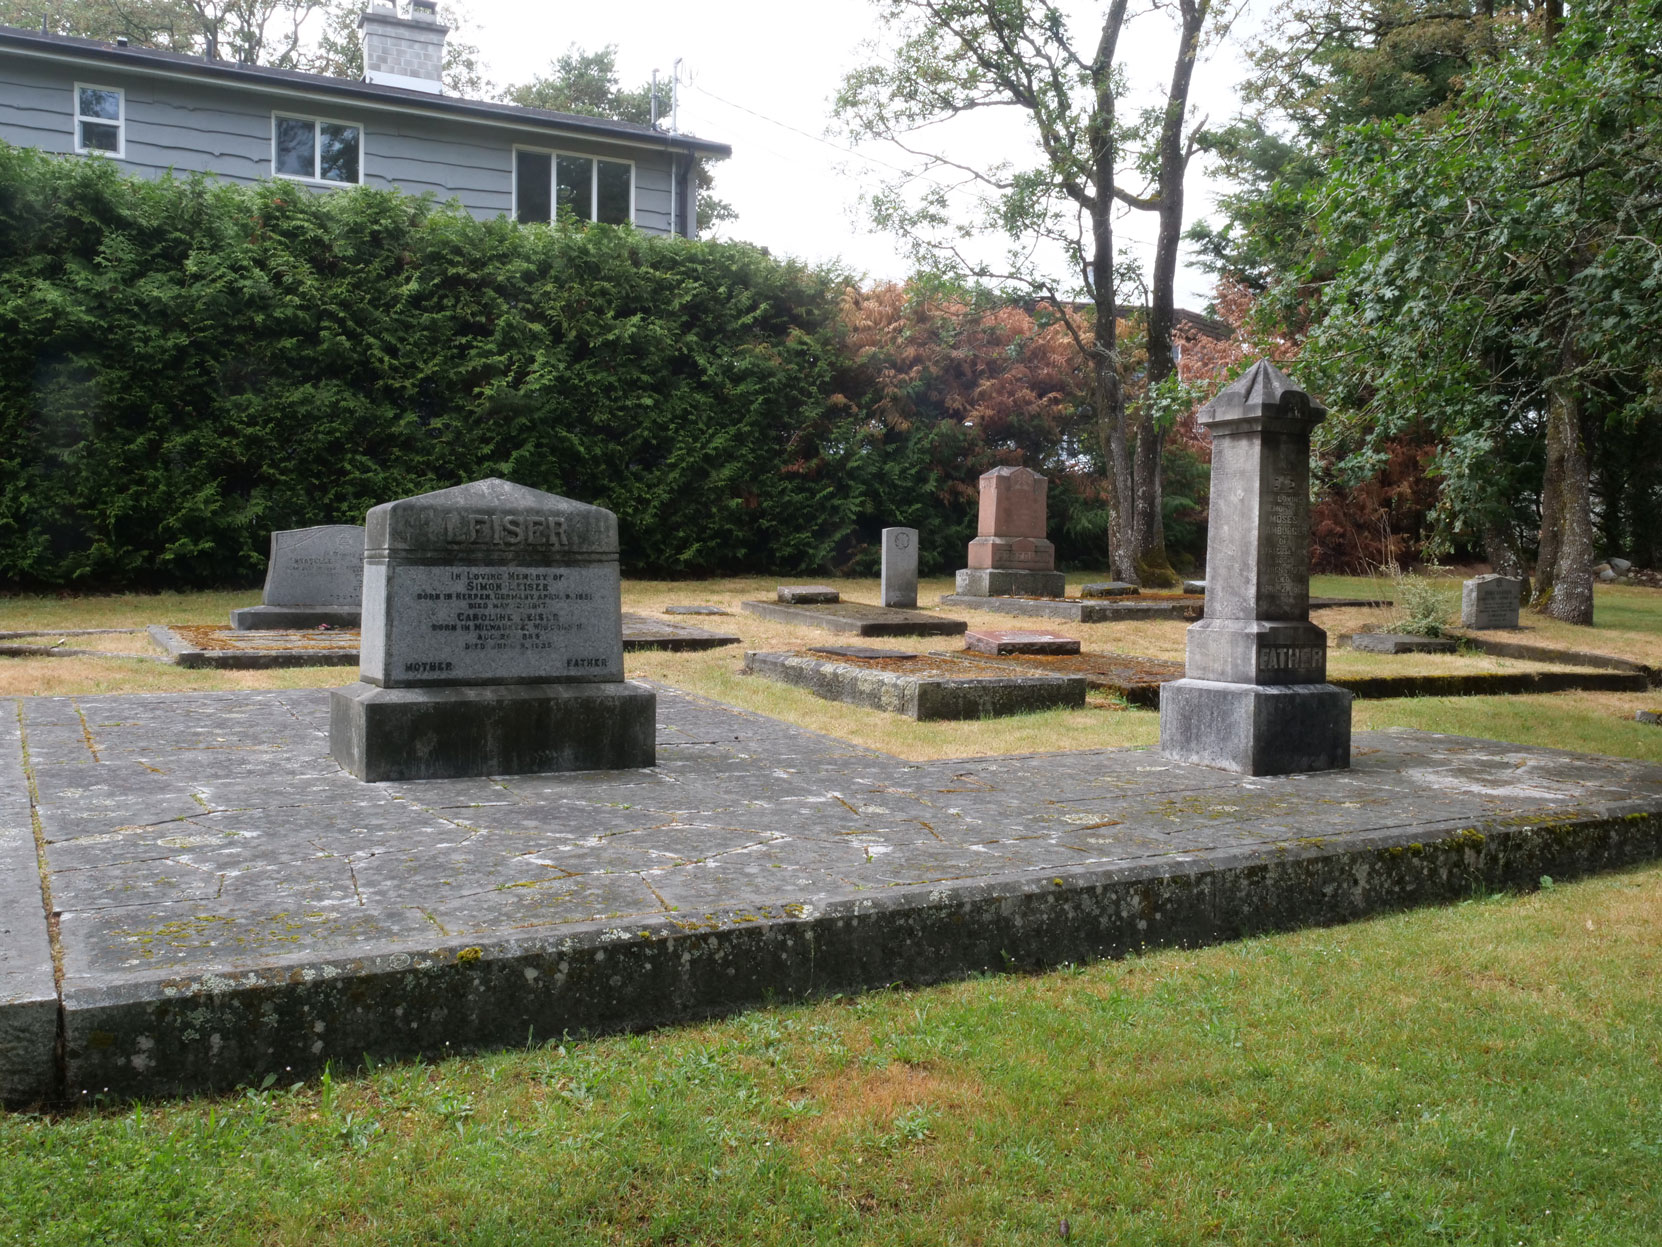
294, 84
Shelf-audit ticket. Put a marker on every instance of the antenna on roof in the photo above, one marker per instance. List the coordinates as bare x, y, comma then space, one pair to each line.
675, 100
654, 98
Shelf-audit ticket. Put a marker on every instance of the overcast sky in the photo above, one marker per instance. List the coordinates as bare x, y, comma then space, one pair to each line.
761, 74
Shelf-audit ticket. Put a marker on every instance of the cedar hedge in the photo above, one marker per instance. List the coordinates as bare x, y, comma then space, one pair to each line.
187, 365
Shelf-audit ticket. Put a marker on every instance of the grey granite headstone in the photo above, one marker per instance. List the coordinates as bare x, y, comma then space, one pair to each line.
1255, 697
900, 568
314, 576
492, 641
1490, 602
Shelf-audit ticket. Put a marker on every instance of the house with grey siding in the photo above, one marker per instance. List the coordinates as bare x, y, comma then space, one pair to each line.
158, 113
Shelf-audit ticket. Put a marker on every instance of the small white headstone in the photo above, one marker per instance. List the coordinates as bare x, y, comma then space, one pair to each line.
900, 568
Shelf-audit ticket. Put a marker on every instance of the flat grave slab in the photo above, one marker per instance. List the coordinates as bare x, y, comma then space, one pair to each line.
1169, 606
644, 632
694, 610
807, 595
858, 619
231, 904
1109, 589
1400, 643
932, 687
1017, 641
205, 645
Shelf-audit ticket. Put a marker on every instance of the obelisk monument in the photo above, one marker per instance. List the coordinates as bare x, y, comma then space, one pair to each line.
1255, 697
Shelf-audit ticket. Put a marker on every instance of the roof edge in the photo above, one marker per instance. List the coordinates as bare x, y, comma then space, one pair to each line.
156, 61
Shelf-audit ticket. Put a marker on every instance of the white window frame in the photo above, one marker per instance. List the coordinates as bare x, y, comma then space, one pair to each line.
120, 124
317, 148
554, 154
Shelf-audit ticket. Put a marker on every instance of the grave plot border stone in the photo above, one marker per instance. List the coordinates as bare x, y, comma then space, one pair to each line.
183, 652
858, 619
1073, 610
28, 984
925, 698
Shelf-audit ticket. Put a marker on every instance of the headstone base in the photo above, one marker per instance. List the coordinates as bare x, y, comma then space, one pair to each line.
1256, 651
288, 618
988, 582
493, 729
1255, 729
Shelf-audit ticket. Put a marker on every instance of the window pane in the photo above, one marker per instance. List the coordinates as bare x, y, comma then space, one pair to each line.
296, 152
338, 148
574, 191
533, 179
614, 192
102, 104
96, 137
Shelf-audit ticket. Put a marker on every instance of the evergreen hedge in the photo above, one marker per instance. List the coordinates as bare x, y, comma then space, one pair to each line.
186, 366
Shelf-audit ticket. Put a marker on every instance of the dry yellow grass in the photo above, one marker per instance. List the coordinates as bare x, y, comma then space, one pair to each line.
718, 673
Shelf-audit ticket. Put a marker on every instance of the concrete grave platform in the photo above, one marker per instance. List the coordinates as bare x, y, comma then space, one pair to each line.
932, 687
858, 619
684, 609
228, 903
1075, 610
239, 649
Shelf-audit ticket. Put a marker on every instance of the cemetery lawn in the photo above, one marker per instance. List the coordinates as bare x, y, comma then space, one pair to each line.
1630, 626
1480, 1073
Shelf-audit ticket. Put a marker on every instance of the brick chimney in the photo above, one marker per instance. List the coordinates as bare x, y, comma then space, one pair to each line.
404, 51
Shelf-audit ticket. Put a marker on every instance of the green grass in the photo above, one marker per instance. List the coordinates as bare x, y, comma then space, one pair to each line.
1485, 1073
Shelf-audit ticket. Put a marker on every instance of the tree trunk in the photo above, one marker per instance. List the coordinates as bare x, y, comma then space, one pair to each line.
1147, 557
1564, 573
1105, 378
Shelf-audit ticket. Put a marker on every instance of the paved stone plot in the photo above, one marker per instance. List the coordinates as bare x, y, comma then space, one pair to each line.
206, 856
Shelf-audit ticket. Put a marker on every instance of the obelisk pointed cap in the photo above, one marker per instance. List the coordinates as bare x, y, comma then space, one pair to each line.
1263, 392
